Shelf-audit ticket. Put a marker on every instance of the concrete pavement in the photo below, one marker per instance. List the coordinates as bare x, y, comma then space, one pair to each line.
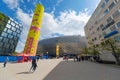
20, 71
84, 71
57, 69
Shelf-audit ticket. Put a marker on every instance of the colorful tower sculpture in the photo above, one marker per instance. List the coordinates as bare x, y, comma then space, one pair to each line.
34, 32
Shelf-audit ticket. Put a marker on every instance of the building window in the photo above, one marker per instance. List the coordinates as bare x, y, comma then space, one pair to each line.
118, 24
101, 17
5, 30
111, 5
106, 1
95, 38
117, 38
113, 28
12, 23
101, 26
116, 14
9, 21
106, 11
13, 28
109, 20
8, 26
1, 38
103, 5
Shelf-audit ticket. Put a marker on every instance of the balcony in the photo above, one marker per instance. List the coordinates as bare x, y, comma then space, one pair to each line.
108, 25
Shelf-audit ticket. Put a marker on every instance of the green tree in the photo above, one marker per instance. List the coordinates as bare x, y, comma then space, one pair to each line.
110, 44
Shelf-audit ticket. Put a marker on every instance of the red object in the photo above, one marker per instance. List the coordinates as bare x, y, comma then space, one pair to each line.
25, 57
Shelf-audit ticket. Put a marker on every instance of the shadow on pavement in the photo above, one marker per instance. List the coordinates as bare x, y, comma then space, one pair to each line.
26, 72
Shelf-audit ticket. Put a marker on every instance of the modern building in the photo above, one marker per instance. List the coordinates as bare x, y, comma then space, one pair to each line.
34, 32
62, 45
104, 23
10, 32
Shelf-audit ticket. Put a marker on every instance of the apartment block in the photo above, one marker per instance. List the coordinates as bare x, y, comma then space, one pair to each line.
104, 23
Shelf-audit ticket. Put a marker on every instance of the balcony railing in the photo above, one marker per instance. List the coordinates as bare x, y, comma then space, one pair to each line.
108, 25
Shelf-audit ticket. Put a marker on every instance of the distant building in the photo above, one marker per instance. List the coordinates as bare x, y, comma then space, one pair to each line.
10, 32
67, 45
104, 23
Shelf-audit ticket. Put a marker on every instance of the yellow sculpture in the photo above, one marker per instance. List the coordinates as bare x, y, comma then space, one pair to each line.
34, 32
57, 51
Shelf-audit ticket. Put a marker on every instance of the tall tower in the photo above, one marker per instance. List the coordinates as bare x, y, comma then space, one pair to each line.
34, 32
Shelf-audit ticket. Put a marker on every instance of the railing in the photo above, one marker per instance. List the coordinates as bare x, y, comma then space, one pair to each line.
108, 25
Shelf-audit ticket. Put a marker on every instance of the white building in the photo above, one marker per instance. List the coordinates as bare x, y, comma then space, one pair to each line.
104, 23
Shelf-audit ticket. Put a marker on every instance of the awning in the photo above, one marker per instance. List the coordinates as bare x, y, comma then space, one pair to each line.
111, 33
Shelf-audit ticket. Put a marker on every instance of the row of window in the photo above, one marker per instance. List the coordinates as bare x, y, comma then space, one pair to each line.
14, 28
112, 28
8, 40
106, 11
111, 5
13, 23
5, 45
110, 20
9, 37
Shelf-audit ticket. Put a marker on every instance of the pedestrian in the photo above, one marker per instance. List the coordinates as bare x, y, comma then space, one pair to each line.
82, 58
38, 57
78, 58
34, 65
74, 58
5, 62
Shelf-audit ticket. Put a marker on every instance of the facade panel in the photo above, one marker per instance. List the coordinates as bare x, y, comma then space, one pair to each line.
8, 35
62, 45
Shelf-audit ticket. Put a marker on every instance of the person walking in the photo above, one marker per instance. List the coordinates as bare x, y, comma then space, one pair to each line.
78, 58
5, 62
34, 65
74, 57
37, 57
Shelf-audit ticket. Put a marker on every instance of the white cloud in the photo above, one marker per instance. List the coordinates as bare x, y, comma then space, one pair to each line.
68, 23
12, 4
25, 20
20, 47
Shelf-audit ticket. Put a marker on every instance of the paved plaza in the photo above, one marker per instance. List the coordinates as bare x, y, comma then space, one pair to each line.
20, 71
57, 69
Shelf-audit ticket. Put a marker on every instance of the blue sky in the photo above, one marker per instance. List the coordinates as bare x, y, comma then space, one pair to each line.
61, 17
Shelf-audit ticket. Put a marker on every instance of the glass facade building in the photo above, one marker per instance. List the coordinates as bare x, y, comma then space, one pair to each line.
10, 32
